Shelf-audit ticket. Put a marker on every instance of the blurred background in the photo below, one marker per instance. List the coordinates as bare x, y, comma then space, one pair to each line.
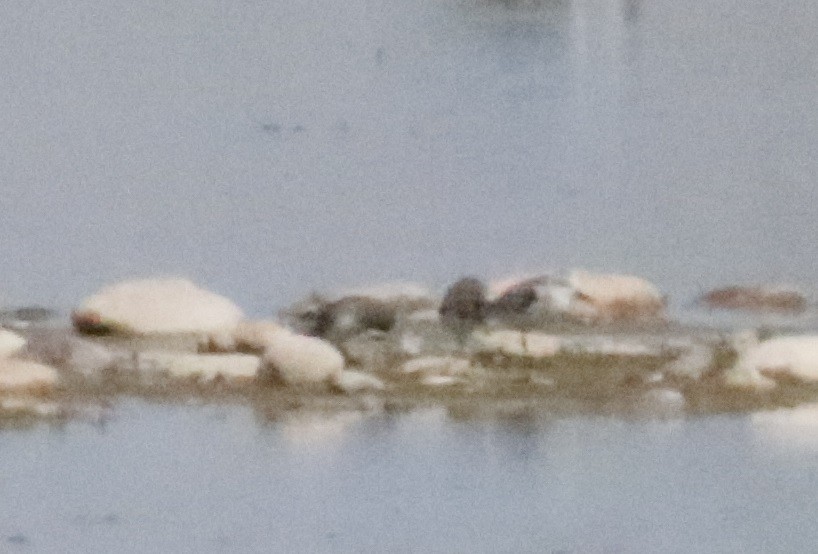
266, 148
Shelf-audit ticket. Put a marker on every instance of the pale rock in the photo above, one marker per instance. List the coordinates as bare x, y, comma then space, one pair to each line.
541, 345
517, 343
205, 367
349, 381
23, 376
794, 356
436, 365
439, 380
760, 298
501, 341
151, 306
615, 297
10, 343
299, 359
606, 345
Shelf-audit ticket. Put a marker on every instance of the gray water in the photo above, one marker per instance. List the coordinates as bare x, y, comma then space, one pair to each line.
267, 148
216, 479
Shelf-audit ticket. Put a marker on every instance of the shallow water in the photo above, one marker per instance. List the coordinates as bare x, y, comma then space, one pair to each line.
215, 478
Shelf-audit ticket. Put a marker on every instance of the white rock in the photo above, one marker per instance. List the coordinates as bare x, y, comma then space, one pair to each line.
355, 381
616, 297
150, 306
439, 380
517, 343
759, 298
436, 365
541, 345
501, 341
25, 376
10, 343
796, 356
206, 367
295, 359
607, 345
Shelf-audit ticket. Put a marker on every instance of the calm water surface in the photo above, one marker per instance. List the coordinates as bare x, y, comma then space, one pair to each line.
267, 147
211, 479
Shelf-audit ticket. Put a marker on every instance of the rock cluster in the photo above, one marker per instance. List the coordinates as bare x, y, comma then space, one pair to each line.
599, 339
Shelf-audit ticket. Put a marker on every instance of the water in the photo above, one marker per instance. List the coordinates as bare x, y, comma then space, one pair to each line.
216, 479
267, 148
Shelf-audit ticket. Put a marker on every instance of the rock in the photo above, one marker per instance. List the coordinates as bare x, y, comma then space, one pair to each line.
517, 343
615, 298
356, 381
439, 380
234, 368
541, 345
502, 341
152, 306
612, 345
756, 298
23, 376
436, 365
794, 356
10, 343
298, 359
